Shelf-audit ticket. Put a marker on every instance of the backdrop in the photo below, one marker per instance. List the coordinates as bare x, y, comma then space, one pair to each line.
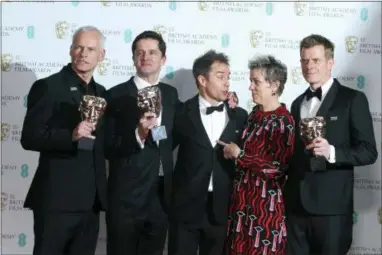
35, 43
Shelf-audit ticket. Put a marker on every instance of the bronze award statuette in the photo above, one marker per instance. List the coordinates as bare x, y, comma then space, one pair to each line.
149, 100
311, 128
91, 109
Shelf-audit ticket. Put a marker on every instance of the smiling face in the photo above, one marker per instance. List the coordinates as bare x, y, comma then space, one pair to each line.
86, 52
148, 59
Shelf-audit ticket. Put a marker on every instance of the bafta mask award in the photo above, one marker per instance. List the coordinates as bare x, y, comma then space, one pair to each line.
149, 100
91, 109
311, 128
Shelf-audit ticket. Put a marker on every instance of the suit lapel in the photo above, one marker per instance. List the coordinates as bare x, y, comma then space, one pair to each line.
229, 134
166, 111
194, 114
328, 100
296, 112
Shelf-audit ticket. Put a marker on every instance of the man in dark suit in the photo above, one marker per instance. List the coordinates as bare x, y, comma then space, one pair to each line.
319, 191
202, 178
140, 168
69, 187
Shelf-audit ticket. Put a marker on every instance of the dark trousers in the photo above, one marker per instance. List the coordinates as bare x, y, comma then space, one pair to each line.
62, 233
131, 236
310, 234
209, 237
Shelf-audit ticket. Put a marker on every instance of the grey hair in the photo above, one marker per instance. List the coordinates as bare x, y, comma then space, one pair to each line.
90, 29
274, 70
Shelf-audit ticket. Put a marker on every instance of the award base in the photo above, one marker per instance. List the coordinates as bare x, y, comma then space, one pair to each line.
159, 133
318, 164
86, 144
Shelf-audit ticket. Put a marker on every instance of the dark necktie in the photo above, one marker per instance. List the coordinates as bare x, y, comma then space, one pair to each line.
317, 93
211, 109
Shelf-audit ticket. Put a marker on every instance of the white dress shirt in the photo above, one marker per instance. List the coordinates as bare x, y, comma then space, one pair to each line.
141, 84
310, 108
213, 123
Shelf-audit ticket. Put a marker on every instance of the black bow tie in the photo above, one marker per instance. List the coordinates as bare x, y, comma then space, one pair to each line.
211, 109
317, 93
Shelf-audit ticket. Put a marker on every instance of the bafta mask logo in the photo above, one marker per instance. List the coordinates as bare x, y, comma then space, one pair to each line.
255, 38
104, 66
62, 29
311, 128
297, 77
300, 8
105, 3
92, 108
380, 215
4, 200
351, 43
6, 62
5, 128
203, 6
162, 30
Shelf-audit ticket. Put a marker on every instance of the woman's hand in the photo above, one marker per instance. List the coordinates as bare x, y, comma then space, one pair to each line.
230, 150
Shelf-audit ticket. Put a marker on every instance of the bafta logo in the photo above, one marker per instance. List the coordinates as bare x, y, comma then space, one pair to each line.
105, 3
103, 67
5, 128
300, 8
160, 29
297, 75
6, 62
380, 215
255, 38
4, 200
62, 29
203, 6
351, 43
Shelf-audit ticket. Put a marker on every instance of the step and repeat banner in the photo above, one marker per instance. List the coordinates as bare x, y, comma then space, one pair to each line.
36, 37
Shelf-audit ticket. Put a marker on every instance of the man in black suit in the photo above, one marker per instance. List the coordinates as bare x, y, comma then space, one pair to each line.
69, 187
140, 168
202, 178
319, 191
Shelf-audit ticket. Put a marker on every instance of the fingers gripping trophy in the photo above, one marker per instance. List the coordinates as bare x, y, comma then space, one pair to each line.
149, 102
310, 129
91, 108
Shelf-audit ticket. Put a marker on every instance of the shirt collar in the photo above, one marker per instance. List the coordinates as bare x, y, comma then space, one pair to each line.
326, 86
141, 83
203, 103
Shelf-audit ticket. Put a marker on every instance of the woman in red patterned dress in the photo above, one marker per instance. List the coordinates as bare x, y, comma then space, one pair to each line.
256, 224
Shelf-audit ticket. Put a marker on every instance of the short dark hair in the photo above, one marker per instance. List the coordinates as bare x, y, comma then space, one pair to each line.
314, 40
150, 35
202, 65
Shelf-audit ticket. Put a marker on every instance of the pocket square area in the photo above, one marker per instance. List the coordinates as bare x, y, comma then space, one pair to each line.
334, 118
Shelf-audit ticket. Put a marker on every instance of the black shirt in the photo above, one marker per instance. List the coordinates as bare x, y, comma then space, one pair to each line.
76, 80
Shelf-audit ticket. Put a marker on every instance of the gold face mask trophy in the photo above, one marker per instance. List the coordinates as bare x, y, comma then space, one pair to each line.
149, 100
91, 108
311, 128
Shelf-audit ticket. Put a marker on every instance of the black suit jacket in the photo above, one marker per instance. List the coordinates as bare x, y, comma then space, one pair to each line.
197, 159
134, 171
315, 184
66, 178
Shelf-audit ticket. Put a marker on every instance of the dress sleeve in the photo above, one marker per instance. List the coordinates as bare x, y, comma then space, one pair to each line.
283, 145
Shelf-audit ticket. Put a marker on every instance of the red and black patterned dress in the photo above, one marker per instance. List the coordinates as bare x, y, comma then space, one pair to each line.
256, 225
